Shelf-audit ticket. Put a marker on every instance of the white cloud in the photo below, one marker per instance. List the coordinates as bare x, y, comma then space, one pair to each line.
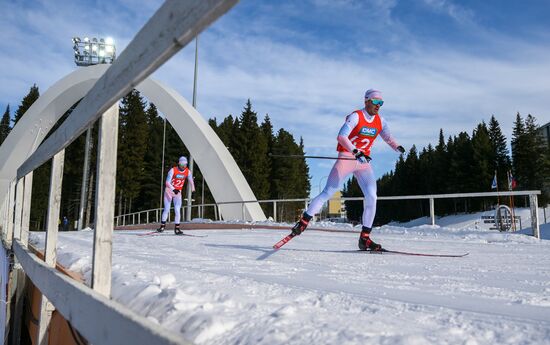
460, 14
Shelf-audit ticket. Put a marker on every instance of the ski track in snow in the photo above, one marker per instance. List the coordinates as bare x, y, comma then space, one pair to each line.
232, 288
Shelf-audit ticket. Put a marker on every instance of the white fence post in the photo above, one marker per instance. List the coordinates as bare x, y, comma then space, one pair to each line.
26, 211
50, 250
4, 215
274, 210
533, 201
105, 200
18, 208
22, 218
432, 211
10, 205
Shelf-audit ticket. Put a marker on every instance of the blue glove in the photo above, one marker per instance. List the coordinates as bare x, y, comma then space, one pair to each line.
401, 149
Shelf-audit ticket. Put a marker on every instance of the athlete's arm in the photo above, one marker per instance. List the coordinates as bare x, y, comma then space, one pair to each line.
351, 121
168, 182
386, 135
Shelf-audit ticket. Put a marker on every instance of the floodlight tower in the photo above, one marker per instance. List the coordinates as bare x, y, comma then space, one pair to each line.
93, 51
89, 52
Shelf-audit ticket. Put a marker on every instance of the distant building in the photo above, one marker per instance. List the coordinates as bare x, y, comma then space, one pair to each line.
545, 131
336, 206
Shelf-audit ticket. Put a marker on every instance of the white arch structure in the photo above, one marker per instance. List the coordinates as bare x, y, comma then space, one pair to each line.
224, 177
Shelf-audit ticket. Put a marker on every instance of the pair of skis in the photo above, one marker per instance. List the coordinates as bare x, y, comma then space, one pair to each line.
156, 233
289, 237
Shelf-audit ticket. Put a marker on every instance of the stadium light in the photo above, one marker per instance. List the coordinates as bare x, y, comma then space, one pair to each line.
93, 51
89, 52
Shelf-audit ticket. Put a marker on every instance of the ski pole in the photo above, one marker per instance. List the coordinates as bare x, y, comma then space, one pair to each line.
316, 157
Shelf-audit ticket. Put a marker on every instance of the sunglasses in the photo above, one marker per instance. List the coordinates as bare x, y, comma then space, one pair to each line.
377, 102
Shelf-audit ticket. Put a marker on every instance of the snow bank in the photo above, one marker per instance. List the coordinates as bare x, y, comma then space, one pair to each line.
231, 288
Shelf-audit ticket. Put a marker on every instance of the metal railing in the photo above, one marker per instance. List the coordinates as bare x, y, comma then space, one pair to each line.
136, 217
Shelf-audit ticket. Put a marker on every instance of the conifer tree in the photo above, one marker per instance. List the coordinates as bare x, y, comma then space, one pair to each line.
175, 148
5, 125
535, 152
153, 181
462, 164
26, 103
427, 176
267, 131
483, 164
500, 154
304, 186
250, 151
519, 152
287, 181
441, 165
72, 174
225, 130
410, 185
133, 137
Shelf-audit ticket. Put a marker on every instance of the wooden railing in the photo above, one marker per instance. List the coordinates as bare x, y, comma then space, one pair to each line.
90, 309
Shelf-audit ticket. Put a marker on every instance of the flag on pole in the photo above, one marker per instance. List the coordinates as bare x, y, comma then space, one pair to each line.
511, 181
494, 184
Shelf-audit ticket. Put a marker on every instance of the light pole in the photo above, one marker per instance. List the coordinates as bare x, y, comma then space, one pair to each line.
85, 173
189, 200
162, 164
89, 52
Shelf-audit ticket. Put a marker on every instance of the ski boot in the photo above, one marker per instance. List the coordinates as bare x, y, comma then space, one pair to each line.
301, 225
162, 227
365, 243
177, 230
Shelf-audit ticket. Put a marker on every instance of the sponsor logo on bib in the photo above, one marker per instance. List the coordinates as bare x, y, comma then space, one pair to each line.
367, 131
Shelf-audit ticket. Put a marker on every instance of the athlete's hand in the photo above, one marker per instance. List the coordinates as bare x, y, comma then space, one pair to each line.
360, 156
401, 149
176, 191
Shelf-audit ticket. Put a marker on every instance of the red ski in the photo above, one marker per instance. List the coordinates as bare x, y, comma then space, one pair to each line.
284, 241
148, 233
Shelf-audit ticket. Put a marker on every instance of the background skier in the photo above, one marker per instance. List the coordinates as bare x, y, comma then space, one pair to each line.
175, 180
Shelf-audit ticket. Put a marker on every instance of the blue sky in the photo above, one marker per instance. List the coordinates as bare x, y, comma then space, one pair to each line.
440, 64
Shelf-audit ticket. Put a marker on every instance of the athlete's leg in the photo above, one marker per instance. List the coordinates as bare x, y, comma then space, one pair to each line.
367, 183
177, 208
168, 195
340, 171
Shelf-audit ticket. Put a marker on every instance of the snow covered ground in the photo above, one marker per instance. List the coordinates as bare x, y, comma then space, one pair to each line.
231, 288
